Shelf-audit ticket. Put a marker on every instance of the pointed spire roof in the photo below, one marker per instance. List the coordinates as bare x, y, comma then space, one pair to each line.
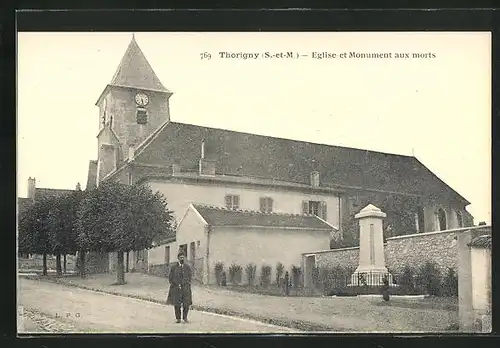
134, 71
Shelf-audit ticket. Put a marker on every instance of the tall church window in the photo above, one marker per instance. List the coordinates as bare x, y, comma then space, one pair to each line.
441, 219
460, 219
317, 208
232, 202
419, 220
266, 204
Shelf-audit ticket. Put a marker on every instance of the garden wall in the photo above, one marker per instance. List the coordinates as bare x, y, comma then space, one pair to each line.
414, 250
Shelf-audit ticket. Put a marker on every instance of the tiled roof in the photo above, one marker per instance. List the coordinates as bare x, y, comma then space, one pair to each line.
92, 175
42, 193
134, 71
266, 157
218, 216
483, 241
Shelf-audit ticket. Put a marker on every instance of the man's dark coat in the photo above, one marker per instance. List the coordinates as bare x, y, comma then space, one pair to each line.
180, 275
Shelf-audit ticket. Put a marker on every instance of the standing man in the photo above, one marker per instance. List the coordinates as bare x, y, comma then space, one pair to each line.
179, 294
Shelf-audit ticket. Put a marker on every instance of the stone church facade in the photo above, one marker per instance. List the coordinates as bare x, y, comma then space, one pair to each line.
190, 164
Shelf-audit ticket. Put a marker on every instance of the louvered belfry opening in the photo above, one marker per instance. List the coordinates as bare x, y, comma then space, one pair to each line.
142, 116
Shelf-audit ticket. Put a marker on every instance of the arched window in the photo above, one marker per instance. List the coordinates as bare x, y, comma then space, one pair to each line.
420, 220
441, 219
460, 219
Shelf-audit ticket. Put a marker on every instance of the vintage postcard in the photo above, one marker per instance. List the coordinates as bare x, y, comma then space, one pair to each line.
257, 182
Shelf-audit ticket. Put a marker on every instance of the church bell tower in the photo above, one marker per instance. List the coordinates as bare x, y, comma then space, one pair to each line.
132, 106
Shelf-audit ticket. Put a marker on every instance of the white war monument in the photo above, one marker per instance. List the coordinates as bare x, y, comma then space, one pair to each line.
371, 270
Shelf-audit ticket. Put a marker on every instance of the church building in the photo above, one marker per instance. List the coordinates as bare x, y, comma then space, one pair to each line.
301, 191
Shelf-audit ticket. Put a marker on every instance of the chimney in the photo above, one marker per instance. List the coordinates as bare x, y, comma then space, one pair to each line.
176, 169
78, 186
31, 188
315, 179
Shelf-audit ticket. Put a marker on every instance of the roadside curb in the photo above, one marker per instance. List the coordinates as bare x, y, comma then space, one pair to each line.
291, 324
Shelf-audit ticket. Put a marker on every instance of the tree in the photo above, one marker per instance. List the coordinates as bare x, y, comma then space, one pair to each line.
121, 218
34, 229
400, 210
62, 226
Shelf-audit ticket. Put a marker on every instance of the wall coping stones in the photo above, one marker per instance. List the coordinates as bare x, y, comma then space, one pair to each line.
454, 230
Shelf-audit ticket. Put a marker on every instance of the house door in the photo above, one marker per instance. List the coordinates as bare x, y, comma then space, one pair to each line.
192, 251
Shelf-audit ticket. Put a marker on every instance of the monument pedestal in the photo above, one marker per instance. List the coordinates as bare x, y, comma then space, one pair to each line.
371, 277
371, 270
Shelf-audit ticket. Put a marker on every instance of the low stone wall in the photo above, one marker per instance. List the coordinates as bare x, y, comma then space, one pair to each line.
36, 262
414, 250
345, 257
159, 270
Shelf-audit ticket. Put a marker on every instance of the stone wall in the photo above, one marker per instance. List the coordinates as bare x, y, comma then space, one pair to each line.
345, 257
414, 250
160, 270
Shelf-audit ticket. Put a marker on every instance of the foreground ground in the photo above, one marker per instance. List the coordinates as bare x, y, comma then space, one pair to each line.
49, 307
305, 313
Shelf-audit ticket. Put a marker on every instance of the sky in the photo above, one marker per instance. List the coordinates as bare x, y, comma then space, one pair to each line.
437, 109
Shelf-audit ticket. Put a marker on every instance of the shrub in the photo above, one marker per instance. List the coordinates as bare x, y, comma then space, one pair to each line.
219, 268
407, 279
429, 278
235, 274
265, 275
279, 272
250, 273
296, 273
450, 283
335, 277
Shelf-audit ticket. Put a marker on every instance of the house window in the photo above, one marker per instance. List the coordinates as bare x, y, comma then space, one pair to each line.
317, 208
266, 204
167, 254
460, 219
184, 249
315, 179
419, 220
441, 219
232, 202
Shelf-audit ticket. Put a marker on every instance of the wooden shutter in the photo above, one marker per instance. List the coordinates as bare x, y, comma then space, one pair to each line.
305, 207
322, 210
236, 202
269, 205
228, 202
262, 204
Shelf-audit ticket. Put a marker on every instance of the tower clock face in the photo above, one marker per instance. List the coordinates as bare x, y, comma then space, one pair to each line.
141, 99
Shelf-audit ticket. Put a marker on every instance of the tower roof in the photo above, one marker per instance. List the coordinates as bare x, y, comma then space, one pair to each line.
134, 71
